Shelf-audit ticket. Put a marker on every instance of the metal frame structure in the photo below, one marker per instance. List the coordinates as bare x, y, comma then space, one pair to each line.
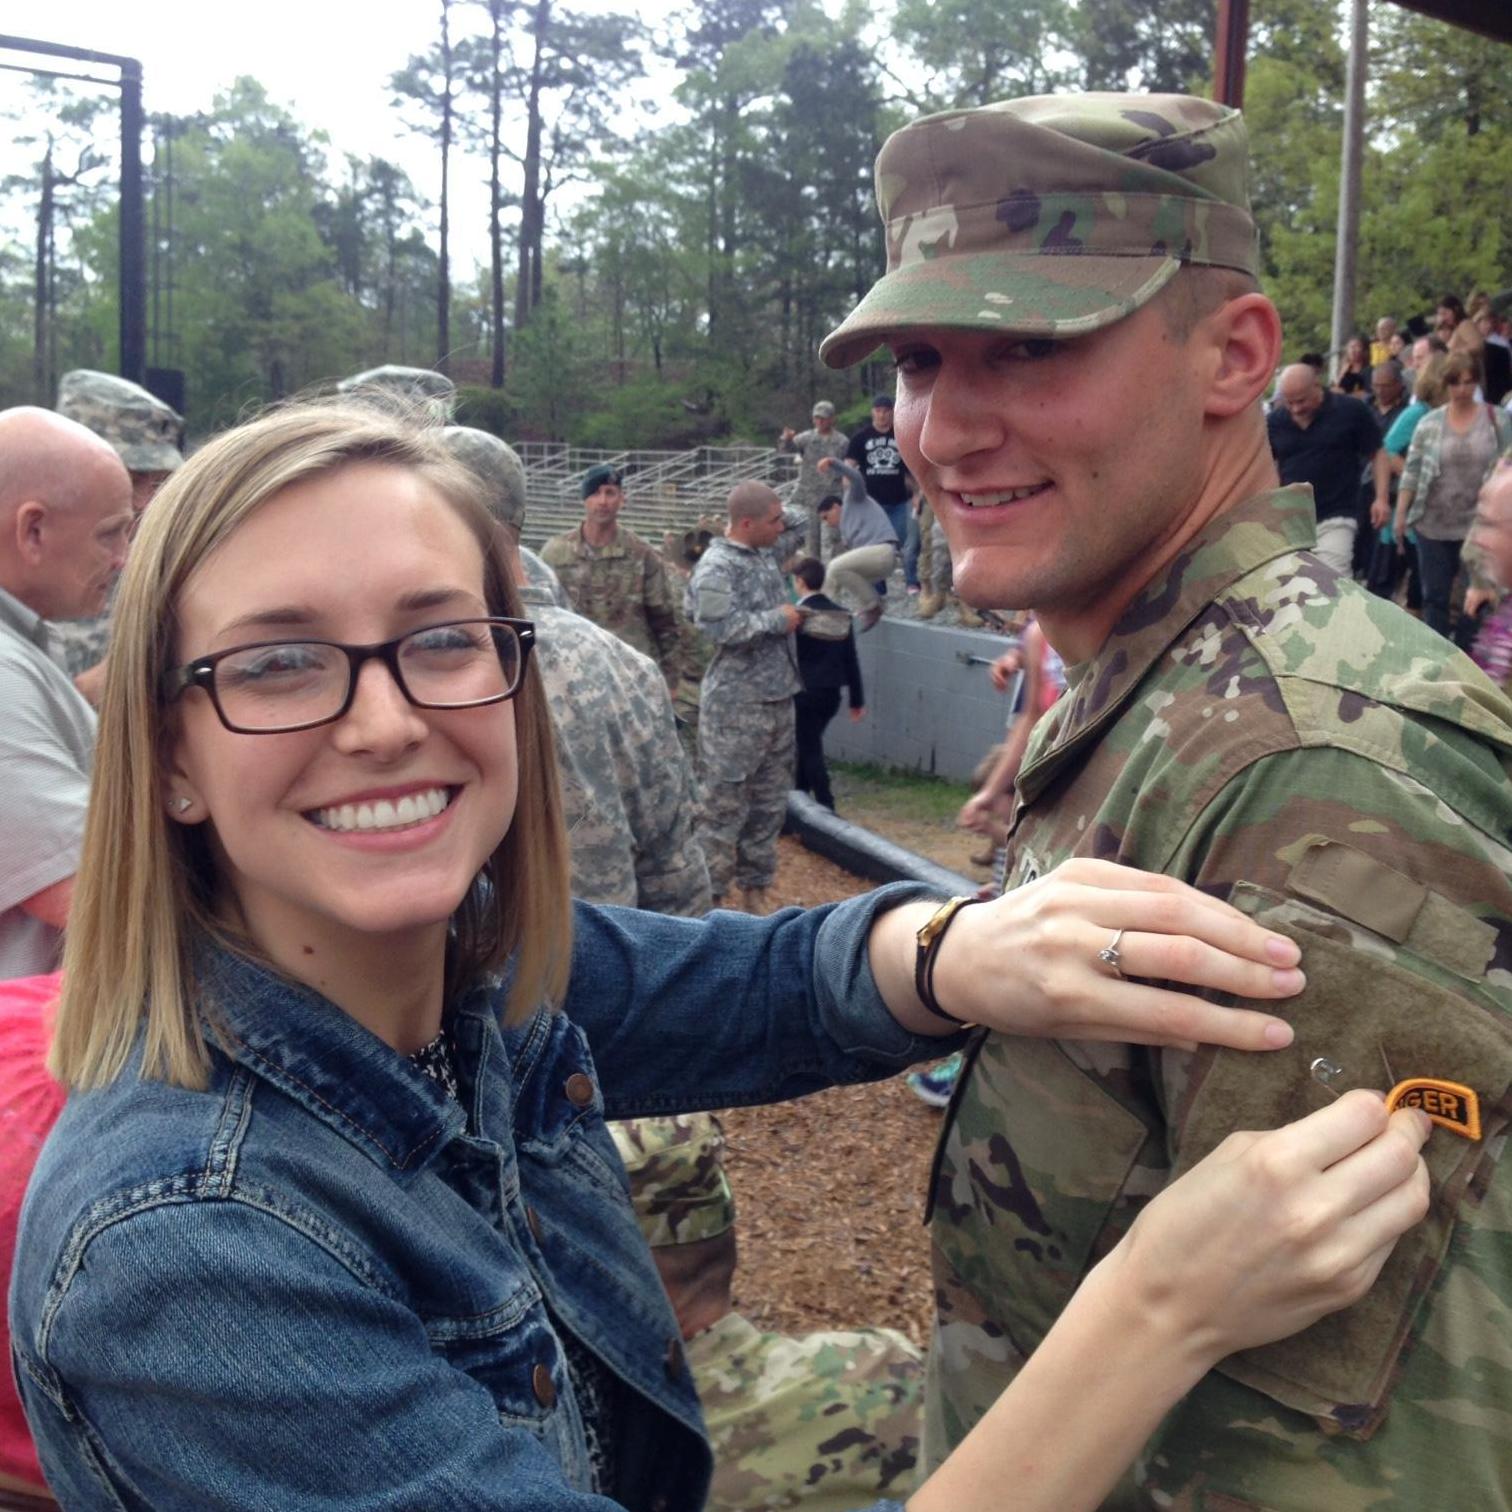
133, 243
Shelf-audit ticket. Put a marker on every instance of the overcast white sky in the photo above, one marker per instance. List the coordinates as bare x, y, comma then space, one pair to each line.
328, 61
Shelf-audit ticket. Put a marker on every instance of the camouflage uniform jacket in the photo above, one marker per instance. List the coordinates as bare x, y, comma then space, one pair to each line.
1278, 736
809, 446
735, 598
627, 788
623, 587
828, 1422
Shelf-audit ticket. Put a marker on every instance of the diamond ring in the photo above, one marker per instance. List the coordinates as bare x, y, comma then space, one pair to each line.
1110, 955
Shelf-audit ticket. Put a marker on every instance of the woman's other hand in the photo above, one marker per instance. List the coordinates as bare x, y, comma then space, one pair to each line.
1273, 1231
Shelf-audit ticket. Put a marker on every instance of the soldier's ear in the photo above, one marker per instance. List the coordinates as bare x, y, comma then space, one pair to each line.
1239, 349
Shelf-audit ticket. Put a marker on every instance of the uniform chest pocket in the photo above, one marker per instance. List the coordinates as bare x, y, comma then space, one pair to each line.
1371, 1002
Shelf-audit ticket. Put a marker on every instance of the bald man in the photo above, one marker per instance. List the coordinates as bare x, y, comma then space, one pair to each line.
737, 597
1324, 439
65, 513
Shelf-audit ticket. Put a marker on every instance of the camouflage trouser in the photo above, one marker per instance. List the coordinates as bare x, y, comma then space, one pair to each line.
747, 753
934, 554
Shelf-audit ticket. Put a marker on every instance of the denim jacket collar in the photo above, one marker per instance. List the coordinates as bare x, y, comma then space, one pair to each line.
303, 1044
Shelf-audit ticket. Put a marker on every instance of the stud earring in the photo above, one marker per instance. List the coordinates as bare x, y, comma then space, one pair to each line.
182, 805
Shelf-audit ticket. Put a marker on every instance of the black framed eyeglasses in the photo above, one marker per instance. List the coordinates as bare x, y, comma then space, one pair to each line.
275, 687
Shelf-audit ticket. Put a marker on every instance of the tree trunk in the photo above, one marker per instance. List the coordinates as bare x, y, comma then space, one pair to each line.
41, 294
443, 261
528, 276
495, 233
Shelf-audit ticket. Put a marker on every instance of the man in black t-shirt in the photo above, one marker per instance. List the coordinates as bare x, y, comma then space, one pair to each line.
874, 449
1324, 439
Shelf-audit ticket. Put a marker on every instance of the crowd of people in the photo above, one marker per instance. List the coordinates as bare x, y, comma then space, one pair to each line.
369, 952
1424, 417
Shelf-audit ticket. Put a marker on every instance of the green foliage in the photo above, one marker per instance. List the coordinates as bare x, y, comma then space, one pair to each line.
644, 412
487, 409
681, 297
977, 51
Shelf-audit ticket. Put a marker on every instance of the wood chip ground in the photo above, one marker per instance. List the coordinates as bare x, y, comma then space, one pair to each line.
830, 1188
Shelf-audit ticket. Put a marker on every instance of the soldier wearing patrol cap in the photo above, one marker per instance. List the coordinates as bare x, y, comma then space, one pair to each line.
147, 435
828, 1421
430, 392
1082, 348
821, 440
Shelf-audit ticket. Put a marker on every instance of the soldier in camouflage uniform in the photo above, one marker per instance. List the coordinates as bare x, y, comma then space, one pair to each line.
1239, 716
614, 578
147, 435
682, 550
809, 446
627, 787
826, 1422
737, 597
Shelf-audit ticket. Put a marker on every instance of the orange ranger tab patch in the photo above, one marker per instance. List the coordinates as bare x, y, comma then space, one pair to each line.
1450, 1105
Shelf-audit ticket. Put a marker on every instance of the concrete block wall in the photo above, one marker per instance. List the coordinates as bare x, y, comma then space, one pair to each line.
929, 706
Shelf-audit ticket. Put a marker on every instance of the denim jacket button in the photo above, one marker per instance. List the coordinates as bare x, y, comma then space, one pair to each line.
533, 1223
579, 1089
543, 1386
674, 1357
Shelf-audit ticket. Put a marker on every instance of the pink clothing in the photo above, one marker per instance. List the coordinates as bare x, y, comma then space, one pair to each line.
30, 1101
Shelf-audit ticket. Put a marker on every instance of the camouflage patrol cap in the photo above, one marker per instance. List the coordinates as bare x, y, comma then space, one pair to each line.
677, 1179
425, 387
1054, 215
496, 465
144, 431
823, 409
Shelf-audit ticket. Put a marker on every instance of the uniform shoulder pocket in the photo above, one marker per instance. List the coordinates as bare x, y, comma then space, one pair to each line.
1403, 999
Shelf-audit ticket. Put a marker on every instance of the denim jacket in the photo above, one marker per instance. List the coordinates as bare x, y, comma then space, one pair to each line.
322, 1283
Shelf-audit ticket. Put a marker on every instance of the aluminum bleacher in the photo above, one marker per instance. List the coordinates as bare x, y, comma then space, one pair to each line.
664, 490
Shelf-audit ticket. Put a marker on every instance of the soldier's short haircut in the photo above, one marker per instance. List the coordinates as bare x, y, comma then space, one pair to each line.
1194, 293
747, 501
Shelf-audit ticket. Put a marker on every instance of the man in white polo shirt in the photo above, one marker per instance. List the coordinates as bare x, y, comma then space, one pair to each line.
65, 515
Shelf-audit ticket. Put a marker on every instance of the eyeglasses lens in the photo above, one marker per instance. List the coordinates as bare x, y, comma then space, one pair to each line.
294, 683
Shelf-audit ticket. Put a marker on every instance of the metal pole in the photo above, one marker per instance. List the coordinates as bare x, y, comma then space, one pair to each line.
133, 230
1233, 43
1349, 180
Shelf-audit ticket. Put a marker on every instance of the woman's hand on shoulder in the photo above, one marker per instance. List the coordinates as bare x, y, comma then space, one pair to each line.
1028, 963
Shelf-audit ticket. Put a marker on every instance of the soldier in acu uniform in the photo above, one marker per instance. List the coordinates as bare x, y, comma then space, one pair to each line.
1082, 350
146, 434
616, 579
827, 1421
737, 597
811, 447
627, 787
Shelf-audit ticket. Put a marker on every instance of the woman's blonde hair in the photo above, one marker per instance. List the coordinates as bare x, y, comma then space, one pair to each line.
146, 886
1429, 387
1461, 362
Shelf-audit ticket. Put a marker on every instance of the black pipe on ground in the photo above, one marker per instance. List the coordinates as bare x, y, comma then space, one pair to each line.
864, 854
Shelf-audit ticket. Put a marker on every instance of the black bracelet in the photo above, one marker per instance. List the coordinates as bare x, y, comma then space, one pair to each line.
927, 948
